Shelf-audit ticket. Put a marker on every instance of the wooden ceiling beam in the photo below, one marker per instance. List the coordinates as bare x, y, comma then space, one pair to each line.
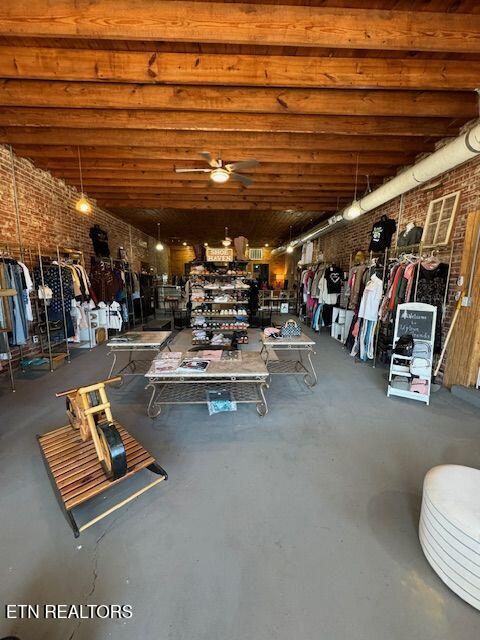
213, 141
233, 191
254, 24
152, 67
134, 158
155, 120
195, 180
104, 95
265, 185
235, 199
223, 207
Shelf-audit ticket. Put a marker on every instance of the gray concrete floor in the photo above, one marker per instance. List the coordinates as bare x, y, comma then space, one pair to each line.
299, 525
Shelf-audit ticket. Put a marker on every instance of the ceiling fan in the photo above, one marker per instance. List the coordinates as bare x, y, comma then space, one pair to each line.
220, 172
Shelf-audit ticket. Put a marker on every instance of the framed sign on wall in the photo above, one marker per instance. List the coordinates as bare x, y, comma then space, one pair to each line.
219, 254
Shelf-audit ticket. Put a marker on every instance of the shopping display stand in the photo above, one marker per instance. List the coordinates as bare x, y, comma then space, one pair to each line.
299, 344
92, 454
137, 341
246, 378
418, 320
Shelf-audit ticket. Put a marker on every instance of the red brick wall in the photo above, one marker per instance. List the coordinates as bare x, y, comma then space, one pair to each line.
48, 217
342, 242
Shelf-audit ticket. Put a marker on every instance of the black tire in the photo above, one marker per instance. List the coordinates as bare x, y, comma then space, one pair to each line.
115, 451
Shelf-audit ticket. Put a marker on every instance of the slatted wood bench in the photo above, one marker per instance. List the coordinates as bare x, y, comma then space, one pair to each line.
77, 475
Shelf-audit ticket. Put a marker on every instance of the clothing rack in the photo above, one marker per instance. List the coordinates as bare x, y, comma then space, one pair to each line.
44, 256
421, 254
3, 329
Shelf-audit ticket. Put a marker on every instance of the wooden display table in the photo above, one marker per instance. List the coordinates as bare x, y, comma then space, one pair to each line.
300, 344
246, 378
77, 474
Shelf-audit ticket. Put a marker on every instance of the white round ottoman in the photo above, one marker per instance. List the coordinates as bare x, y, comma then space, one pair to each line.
450, 528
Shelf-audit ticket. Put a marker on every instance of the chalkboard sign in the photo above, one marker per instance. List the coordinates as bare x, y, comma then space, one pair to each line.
417, 320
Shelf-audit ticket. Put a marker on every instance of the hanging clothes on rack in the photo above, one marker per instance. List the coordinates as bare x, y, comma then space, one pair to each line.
367, 319
59, 280
16, 310
431, 287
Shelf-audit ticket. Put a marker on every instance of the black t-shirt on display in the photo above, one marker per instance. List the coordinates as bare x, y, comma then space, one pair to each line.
100, 242
334, 277
381, 234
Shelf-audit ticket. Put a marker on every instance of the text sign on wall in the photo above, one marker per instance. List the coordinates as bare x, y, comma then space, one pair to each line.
219, 254
417, 320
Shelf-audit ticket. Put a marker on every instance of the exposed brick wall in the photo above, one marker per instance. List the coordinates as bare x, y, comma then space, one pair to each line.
48, 217
342, 242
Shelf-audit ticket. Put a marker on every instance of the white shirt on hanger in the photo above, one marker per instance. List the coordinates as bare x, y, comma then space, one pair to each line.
371, 298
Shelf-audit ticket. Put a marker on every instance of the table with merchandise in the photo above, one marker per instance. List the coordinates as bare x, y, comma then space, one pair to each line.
182, 378
301, 344
133, 342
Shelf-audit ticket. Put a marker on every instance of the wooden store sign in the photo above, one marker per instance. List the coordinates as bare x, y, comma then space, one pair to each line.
219, 254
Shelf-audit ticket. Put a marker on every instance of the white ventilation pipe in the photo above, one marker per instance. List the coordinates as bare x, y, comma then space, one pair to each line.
460, 150
456, 152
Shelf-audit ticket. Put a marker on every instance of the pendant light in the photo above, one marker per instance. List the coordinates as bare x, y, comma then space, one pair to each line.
227, 241
290, 245
159, 246
82, 205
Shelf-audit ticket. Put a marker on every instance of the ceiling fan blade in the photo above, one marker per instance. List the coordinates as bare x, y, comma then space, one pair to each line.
215, 164
243, 164
192, 170
243, 179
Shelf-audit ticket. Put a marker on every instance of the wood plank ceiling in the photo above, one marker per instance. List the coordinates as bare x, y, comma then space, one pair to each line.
331, 96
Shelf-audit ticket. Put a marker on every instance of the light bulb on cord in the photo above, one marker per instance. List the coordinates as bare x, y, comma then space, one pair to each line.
227, 241
159, 246
82, 205
290, 246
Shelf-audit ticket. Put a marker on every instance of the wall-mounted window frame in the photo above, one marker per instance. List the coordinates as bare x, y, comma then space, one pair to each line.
440, 219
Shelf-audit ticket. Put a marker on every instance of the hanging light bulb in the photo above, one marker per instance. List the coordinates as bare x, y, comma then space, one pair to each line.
290, 245
227, 241
159, 246
82, 205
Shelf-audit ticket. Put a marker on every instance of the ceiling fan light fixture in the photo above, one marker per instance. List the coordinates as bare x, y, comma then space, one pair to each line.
290, 248
220, 176
159, 246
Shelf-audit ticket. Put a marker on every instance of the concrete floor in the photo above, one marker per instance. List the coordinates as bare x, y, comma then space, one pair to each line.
298, 525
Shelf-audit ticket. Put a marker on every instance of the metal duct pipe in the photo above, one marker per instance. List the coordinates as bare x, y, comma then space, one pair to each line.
460, 150
456, 152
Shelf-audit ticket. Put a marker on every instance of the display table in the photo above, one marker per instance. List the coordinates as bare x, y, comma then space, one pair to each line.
300, 344
132, 342
246, 379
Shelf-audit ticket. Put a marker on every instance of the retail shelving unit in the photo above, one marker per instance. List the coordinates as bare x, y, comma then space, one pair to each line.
274, 299
219, 301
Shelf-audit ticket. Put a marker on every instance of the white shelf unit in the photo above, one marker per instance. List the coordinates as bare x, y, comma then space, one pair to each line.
411, 367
